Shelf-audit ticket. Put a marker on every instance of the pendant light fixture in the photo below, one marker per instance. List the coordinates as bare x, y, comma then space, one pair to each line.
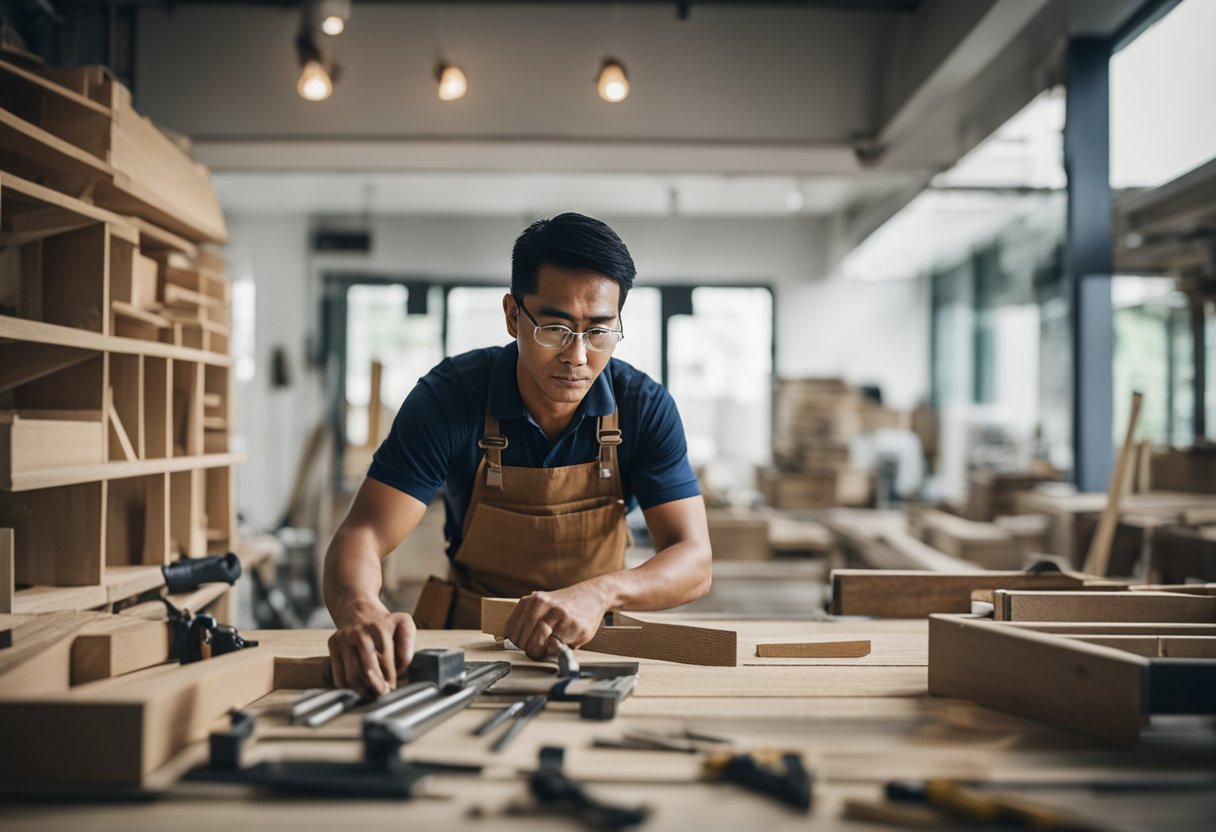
452, 83
333, 15
316, 80
613, 82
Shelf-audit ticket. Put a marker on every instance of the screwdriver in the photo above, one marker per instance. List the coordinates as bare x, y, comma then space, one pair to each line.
532, 706
499, 718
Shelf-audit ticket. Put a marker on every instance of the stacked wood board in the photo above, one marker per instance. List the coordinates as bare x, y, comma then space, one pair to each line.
813, 421
992, 494
115, 382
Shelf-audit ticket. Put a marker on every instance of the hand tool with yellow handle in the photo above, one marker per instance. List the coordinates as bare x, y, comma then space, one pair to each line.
970, 804
779, 773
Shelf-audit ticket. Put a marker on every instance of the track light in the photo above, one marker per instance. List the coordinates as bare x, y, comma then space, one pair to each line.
452, 83
316, 81
613, 83
333, 15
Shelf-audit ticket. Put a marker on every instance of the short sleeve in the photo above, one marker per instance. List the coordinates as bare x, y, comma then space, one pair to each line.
417, 454
660, 472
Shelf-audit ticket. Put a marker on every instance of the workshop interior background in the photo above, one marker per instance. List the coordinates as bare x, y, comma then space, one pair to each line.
902, 264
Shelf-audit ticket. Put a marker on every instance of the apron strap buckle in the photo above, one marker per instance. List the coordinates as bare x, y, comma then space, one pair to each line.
493, 446
608, 438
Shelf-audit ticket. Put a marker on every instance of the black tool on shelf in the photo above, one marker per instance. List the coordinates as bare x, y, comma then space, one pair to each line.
192, 632
188, 574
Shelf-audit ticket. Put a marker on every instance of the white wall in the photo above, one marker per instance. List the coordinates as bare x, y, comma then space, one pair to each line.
868, 332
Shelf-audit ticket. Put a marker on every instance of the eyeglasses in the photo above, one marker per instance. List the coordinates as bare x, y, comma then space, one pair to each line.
558, 337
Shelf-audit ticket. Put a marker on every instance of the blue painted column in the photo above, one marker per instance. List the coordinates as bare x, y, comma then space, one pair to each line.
1088, 259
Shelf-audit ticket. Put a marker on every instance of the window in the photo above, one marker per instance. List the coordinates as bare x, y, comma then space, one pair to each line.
720, 360
379, 329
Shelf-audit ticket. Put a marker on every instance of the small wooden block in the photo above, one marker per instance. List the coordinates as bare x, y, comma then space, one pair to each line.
814, 650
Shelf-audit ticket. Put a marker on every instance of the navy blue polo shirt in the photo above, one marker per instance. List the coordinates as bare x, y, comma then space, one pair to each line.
434, 437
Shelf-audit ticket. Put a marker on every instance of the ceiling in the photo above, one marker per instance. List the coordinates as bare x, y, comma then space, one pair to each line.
852, 106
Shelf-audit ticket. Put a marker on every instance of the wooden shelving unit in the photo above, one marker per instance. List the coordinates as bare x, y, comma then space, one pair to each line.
115, 382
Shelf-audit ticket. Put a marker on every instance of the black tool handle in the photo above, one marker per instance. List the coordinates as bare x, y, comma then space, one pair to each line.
189, 574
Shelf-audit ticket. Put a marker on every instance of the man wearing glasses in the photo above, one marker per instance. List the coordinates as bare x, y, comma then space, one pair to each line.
541, 447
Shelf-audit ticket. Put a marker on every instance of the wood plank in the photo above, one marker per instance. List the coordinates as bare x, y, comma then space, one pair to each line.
120, 442
135, 313
20, 329
123, 582
22, 363
123, 729
1097, 561
7, 571
34, 440
636, 638
1152, 646
813, 649
154, 238
898, 593
158, 408
51, 88
35, 600
44, 197
157, 513
71, 475
1021, 605
1094, 691
1129, 628
74, 280
25, 142
115, 645
68, 551
38, 660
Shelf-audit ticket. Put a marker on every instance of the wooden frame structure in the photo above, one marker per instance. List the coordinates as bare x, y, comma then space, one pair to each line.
1098, 664
116, 398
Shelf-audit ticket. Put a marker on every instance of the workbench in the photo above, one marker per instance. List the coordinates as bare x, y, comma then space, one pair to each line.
862, 721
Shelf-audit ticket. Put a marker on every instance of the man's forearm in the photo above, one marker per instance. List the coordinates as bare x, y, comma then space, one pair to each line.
676, 575
352, 576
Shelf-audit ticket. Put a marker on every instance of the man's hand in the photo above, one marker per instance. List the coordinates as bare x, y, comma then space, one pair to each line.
371, 649
572, 615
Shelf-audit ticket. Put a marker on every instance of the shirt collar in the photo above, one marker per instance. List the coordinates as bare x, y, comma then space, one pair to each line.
505, 402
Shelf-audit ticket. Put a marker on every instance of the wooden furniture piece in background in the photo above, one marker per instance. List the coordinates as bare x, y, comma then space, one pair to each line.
116, 403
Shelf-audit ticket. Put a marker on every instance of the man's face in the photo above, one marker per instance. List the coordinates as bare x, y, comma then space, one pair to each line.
579, 300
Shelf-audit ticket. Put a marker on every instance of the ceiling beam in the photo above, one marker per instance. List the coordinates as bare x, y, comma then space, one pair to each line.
541, 156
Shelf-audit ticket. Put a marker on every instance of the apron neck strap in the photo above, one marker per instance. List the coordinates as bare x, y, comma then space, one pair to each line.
493, 443
608, 434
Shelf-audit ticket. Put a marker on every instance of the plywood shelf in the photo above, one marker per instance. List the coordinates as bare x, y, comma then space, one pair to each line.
54, 477
36, 82
118, 584
20, 329
31, 143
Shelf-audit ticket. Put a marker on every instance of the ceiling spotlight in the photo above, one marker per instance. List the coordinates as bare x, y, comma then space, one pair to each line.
316, 82
794, 200
613, 83
333, 15
452, 83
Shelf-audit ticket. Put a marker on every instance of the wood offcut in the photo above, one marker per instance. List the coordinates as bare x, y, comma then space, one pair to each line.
629, 636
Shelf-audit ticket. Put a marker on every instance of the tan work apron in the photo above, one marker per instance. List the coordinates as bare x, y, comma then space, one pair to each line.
530, 529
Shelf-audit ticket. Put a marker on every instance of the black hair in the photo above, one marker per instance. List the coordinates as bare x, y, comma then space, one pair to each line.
570, 241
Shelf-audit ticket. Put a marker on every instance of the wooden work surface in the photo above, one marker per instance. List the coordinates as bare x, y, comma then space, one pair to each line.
861, 721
